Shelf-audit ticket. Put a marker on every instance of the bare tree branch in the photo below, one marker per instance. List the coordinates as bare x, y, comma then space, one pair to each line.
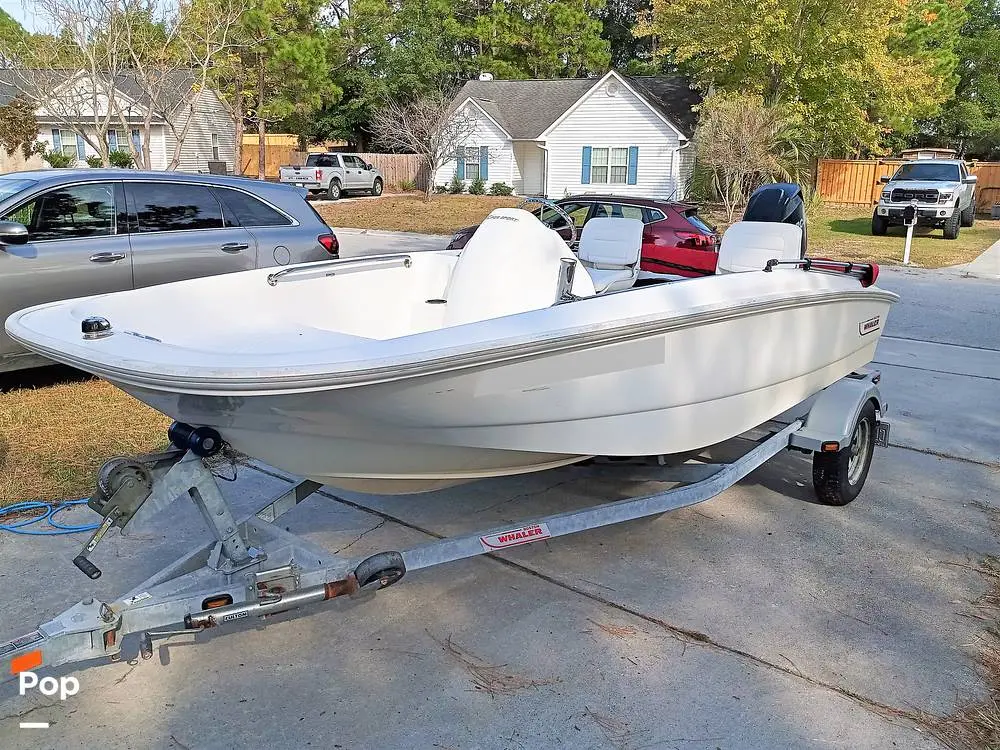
426, 126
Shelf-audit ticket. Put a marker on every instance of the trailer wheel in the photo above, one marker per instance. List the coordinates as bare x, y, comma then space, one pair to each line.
838, 477
385, 567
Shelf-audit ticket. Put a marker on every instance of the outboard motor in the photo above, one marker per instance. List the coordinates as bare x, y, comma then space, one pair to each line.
781, 202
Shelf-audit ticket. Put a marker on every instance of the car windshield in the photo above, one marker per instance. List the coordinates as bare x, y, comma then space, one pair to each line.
927, 171
12, 186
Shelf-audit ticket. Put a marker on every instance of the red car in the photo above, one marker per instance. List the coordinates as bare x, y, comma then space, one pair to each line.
674, 242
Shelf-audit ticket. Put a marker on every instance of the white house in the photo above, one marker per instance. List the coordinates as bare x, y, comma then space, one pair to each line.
70, 114
616, 134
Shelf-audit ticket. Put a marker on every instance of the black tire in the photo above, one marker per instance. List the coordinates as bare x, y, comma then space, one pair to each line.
952, 225
377, 187
838, 477
334, 190
969, 215
880, 225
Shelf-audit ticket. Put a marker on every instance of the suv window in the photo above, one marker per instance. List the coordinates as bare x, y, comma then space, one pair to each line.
249, 211
552, 219
171, 207
69, 213
618, 211
653, 214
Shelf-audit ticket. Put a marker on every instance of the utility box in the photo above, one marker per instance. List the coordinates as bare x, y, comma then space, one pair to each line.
995, 214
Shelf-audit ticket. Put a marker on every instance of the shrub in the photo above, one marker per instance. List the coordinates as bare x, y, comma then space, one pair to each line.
478, 187
408, 186
456, 186
94, 162
440, 189
58, 160
500, 188
121, 159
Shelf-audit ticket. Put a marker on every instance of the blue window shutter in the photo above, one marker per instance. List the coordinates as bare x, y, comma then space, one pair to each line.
112, 140
585, 173
460, 163
633, 164
56, 140
484, 163
81, 147
137, 141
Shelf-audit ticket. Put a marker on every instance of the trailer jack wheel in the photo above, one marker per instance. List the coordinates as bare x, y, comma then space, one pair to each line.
385, 567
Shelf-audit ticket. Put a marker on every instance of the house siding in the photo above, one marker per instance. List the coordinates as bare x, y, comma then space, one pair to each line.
503, 167
157, 160
614, 121
687, 159
210, 116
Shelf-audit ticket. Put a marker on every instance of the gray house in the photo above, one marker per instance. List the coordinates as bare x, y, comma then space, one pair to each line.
74, 109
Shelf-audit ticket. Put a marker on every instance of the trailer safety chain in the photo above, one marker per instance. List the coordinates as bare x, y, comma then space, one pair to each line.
48, 516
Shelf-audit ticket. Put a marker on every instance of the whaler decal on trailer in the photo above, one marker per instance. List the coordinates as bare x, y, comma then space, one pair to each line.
872, 324
514, 537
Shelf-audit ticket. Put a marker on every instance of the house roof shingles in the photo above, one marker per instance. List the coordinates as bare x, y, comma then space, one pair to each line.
526, 109
175, 86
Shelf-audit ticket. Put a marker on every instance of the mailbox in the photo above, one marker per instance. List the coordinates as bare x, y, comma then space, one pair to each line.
910, 215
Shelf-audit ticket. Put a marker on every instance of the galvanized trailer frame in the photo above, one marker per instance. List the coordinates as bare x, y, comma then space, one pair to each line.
253, 568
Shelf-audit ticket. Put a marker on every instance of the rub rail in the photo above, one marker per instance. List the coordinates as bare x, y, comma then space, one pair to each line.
335, 267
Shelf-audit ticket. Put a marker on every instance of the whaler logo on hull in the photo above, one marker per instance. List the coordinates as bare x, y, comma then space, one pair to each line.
869, 325
514, 537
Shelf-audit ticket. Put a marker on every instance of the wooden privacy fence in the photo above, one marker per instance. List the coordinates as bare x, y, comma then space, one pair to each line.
396, 168
856, 182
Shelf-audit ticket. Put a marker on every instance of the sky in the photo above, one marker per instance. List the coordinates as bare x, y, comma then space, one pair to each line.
22, 12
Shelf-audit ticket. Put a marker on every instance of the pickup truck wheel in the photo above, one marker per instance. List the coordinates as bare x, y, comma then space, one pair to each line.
377, 187
951, 226
969, 215
880, 225
333, 192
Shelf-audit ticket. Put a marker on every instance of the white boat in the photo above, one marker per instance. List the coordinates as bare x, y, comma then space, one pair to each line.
405, 373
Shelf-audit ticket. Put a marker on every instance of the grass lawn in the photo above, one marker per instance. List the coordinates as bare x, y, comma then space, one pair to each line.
443, 214
54, 438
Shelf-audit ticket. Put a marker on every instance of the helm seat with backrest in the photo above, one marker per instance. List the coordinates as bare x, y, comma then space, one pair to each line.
610, 249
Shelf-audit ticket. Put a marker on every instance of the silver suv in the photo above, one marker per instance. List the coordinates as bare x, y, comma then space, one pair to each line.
942, 190
71, 233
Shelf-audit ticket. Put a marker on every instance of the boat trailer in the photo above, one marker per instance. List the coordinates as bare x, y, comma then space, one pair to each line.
254, 568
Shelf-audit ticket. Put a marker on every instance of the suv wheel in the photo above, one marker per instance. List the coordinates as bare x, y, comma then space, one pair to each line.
880, 225
969, 215
951, 226
334, 190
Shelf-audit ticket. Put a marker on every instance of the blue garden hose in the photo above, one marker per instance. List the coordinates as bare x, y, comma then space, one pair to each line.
49, 515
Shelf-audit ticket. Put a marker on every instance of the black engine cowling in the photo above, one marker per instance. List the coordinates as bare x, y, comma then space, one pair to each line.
782, 202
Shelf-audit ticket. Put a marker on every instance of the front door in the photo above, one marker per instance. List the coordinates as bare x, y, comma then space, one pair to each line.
179, 231
77, 246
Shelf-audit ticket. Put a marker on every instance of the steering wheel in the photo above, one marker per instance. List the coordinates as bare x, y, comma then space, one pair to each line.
559, 210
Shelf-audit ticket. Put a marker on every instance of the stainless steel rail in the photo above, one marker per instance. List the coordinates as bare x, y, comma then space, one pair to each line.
335, 267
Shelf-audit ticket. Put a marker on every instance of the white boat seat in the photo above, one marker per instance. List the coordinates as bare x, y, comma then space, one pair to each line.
610, 249
510, 265
749, 245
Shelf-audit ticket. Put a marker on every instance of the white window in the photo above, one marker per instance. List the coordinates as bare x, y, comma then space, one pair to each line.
472, 163
117, 140
65, 141
215, 146
599, 165
619, 166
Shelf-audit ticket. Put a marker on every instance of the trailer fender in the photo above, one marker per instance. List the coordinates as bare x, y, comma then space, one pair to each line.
835, 411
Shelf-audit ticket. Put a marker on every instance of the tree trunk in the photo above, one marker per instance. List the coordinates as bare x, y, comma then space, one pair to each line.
261, 125
238, 148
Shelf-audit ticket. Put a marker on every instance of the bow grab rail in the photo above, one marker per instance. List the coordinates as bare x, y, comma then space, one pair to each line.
867, 273
352, 265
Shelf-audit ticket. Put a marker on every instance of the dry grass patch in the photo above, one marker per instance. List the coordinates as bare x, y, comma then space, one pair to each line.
54, 439
442, 214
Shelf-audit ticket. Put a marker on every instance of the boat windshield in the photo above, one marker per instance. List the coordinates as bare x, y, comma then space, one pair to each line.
927, 171
11, 185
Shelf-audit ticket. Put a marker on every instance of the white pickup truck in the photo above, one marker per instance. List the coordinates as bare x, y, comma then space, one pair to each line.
942, 191
334, 174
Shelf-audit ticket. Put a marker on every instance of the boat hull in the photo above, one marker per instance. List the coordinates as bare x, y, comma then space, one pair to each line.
673, 392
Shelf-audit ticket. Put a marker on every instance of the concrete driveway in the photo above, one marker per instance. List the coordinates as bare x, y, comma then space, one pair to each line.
759, 619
